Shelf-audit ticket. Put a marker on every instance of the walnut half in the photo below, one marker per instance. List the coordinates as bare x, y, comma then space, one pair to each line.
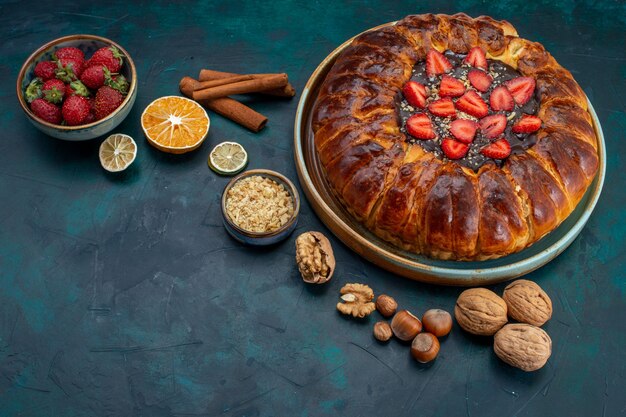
357, 300
315, 258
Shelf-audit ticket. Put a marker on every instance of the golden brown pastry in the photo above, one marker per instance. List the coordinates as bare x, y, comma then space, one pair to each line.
448, 197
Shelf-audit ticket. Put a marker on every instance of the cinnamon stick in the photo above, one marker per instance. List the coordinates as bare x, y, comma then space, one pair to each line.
264, 83
223, 81
227, 107
211, 75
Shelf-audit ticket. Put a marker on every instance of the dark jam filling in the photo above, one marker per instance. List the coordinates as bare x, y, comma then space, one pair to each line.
473, 159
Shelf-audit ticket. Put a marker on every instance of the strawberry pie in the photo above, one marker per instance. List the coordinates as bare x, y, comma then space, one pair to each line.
452, 137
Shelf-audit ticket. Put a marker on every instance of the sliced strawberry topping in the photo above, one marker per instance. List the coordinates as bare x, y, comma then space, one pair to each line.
443, 107
499, 149
480, 80
493, 126
501, 99
454, 149
476, 58
527, 124
472, 104
464, 130
420, 127
415, 94
521, 88
451, 87
437, 63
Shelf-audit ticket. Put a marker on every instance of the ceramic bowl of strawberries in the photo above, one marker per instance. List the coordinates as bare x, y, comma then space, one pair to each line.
77, 87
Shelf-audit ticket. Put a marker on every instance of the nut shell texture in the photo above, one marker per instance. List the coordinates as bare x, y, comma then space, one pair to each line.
527, 302
382, 331
405, 325
523, 346
437, 322
480, 311
315, 257
386, 305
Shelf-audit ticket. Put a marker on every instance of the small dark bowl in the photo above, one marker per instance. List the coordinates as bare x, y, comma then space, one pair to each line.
88, 44
262, 238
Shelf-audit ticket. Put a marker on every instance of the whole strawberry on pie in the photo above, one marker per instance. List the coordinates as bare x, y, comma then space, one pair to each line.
469, 108
453, 137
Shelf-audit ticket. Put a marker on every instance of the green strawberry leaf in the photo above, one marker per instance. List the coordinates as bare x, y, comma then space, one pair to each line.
53, 96
118, 83
65, 73
79, 88
33, 91
117, 54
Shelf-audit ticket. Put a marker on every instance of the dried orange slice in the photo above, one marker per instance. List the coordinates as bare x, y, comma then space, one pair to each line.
117, 152
228, 158
175, 124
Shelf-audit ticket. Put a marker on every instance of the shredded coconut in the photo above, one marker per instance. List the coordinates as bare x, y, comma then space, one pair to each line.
259, 204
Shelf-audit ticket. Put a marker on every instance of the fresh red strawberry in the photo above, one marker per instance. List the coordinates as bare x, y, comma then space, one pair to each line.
415, 94
437, 63
527, 124
443, 107
76, 109
76, 88
68, 69
451, 87
472, 104
493, 126
70, 52
501, 99
480, 80
464, 130
499, 149
454, 149
110, 57
94, 76
53, 90
46, 111
45, 70
476, 58
107, 100
91, 117
521, 88
418, 126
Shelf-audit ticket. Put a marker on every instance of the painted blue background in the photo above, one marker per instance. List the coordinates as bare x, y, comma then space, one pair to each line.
122, 295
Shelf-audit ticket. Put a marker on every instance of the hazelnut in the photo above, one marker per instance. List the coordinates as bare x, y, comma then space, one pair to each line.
386, 305
437, 322
405, 325
425, 347
382, 331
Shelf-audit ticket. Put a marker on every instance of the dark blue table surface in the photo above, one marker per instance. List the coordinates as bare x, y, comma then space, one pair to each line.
122, 295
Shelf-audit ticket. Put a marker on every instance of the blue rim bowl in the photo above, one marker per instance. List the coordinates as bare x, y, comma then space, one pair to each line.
88, 44
263, 238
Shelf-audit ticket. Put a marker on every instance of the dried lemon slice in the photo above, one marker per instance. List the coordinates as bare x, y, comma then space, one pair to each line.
175, 124
117, 152
228, 158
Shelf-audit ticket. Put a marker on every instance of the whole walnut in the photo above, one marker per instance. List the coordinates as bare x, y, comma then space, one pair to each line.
315, 258
523, 346
480, 311
527, 302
